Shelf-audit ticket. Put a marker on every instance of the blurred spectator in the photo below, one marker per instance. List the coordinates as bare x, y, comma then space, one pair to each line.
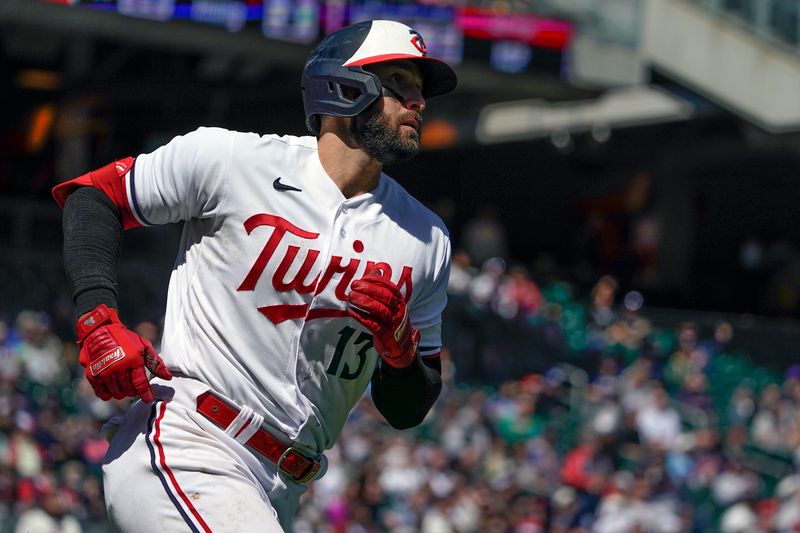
694, 392
634, 384
435, 519
627, 335
790, 390
461, 273
400, 474
519, 422
603, 294
720, 342
706, 461
687, 358
9, 361
484, 286
565, 511
739, 518
538, 463
607, 379
39, 350
658, 423
766, 425
484, 236
602, 413
787, 517
586, 468
21, 450
742, 405
50, 516
630, 506
518, 295
734, 483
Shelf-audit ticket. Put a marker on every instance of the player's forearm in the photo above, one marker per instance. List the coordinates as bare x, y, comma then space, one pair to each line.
405, 395
92, 242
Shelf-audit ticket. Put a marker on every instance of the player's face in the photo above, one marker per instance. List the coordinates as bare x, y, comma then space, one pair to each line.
389, 130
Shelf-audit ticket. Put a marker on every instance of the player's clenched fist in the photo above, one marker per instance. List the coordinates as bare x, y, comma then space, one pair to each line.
114, 358
378, 304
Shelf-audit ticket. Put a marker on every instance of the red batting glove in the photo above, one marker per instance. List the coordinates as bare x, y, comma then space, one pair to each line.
378, 305
114, 358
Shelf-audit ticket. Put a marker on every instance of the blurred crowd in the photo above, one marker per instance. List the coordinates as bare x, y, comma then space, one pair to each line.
645, 430
51, 440
633, 428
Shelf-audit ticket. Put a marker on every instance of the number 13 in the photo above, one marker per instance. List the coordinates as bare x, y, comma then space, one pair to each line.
345, 334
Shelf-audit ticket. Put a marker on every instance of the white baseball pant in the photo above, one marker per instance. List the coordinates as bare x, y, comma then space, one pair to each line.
169, 469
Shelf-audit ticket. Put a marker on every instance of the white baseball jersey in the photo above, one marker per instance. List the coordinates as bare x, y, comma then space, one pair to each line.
257, 306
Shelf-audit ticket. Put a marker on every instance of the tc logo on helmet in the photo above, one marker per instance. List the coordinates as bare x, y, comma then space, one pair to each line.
416, 40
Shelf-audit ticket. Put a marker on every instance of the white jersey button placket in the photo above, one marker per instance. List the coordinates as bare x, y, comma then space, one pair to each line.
339, 220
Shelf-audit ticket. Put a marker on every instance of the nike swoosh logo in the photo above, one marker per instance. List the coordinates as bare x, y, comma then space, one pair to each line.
278, 186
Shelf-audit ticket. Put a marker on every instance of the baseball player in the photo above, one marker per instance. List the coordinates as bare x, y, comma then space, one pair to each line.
304, 275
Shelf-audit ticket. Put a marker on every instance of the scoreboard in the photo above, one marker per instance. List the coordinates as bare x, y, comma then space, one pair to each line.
508, 41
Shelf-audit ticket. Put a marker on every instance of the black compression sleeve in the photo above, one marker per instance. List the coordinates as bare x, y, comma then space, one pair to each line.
405, 395
92, 243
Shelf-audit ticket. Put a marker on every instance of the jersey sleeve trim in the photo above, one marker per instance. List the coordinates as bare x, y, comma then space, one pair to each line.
130, 189
111, 180
61, 191
430, 351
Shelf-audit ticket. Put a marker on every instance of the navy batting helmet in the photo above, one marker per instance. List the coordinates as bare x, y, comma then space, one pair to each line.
338, 59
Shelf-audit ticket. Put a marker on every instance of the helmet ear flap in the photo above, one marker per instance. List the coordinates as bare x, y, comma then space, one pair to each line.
313, 124
337, 91
345, 92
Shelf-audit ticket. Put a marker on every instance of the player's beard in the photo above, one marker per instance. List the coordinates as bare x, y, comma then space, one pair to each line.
384, 142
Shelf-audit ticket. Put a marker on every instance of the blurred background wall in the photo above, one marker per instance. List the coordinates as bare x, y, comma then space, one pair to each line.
655, 140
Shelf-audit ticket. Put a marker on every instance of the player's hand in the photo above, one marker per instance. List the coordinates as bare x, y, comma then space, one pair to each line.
114, 358
378, 305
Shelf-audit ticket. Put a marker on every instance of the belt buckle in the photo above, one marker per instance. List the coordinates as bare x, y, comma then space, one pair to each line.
306, 477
